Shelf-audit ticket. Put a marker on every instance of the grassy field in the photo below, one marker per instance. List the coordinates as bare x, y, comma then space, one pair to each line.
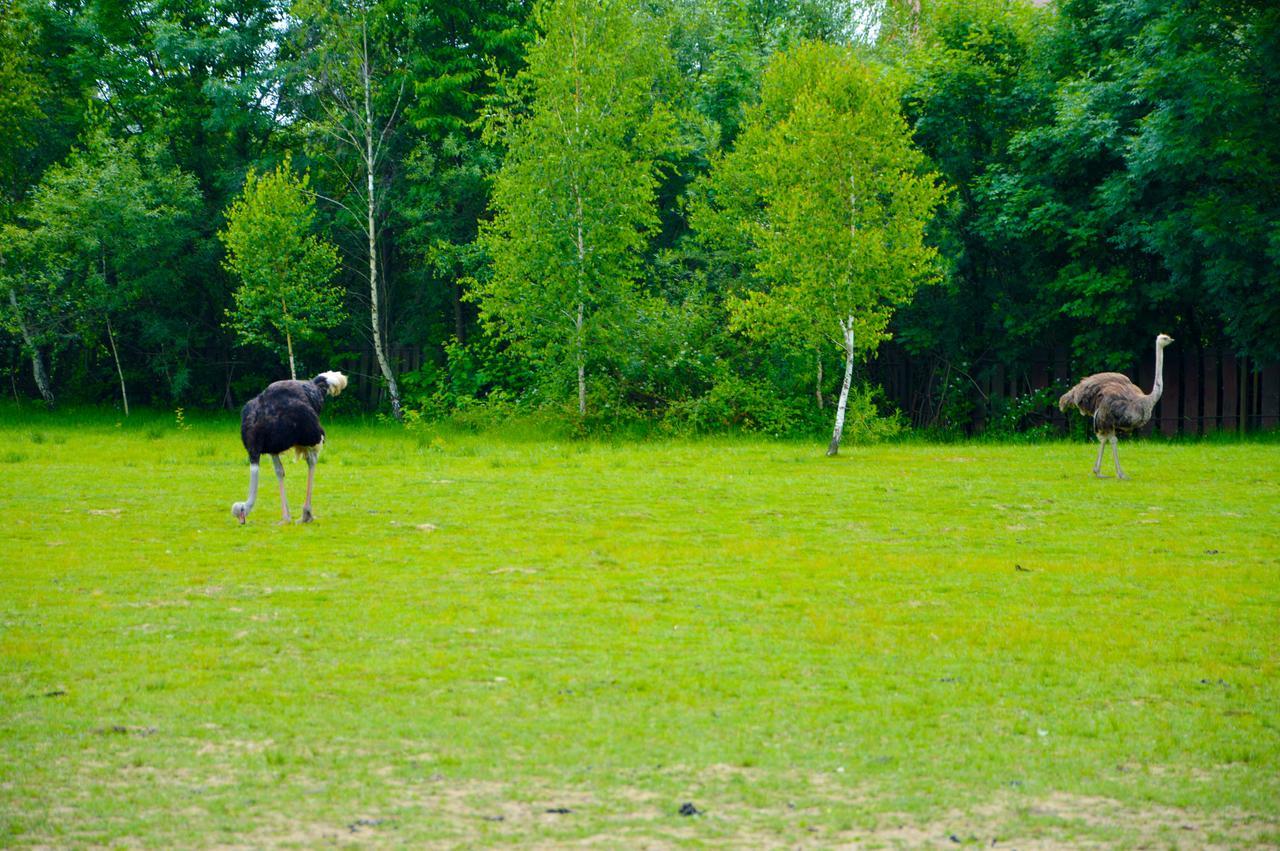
489, 640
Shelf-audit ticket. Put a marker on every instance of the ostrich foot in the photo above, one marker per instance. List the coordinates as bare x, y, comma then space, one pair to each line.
1122, 476
307, 516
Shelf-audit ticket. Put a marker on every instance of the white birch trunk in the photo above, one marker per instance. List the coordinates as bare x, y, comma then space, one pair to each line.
581, 353
124, 393
581, 245
819, 383
847, 329
37, 363
582, 367
369, 163
288, 339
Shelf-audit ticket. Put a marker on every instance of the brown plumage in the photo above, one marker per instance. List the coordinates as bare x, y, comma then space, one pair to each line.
1116, 404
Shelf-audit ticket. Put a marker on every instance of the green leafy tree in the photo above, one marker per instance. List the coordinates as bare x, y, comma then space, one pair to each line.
575, 198
972, 82
285, 269
454, 52
830, 199
198, 80
1144, 191
21, 93
101, 228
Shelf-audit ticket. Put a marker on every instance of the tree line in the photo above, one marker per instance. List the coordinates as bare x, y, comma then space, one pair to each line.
705, 213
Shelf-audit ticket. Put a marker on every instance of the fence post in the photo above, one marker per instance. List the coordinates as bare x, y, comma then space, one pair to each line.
1191, 362
1230, 393
1061, 372
1169, 402
1271, 396
1211, 407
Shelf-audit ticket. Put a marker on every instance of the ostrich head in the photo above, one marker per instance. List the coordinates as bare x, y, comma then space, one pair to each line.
240, 511
1163, 340
334, 382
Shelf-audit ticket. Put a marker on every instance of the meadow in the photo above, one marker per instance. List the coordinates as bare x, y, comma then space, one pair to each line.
508, 638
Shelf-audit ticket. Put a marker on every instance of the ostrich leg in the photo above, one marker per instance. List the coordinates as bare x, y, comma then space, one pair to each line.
1097, 465
241, 509
284, 503
1115, 453
307, 516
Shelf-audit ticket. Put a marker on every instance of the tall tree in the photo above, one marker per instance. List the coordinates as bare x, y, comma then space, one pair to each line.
972, 81
21, 93
1138, 190
454, 53
99, 228
284, 268
575, 198
196, 78
354, 109
832, 200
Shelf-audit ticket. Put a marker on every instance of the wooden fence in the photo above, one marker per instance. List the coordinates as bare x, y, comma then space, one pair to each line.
1205, 390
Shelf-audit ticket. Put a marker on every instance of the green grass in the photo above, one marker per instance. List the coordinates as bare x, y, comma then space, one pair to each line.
482, 628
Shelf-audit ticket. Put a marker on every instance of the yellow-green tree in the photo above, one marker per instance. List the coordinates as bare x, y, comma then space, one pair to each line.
830, 199
575, 199
284, 269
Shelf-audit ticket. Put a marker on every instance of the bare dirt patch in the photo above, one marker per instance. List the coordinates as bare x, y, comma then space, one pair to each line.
1063, 820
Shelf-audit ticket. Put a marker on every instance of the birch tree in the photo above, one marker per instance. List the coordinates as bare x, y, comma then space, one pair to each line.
285, 270
833, 199
575, 199
353, 110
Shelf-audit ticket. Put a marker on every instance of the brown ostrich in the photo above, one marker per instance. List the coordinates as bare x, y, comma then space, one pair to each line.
285, 416
1116, 404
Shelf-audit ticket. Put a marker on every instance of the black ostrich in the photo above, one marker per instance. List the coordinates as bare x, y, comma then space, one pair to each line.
285, 416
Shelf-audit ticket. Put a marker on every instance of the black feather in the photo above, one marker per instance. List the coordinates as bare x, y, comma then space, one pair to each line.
285, 415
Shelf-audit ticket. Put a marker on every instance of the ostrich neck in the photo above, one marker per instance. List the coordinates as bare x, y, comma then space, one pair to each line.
1157, 389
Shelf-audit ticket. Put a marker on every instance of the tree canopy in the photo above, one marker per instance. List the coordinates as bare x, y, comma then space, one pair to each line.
637, 211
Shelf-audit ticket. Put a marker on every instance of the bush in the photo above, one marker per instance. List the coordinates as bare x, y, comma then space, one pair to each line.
1027, 417
739, 404
864, 421
734, 403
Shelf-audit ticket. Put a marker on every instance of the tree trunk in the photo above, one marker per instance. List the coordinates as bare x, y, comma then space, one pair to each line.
578, 341
37, 363
288, 339
847, 328
124, 393
459, 318
582, 366
379, 350
228, 401
819, 384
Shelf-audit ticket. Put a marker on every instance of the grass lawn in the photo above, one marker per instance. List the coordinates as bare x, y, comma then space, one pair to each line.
488, 640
